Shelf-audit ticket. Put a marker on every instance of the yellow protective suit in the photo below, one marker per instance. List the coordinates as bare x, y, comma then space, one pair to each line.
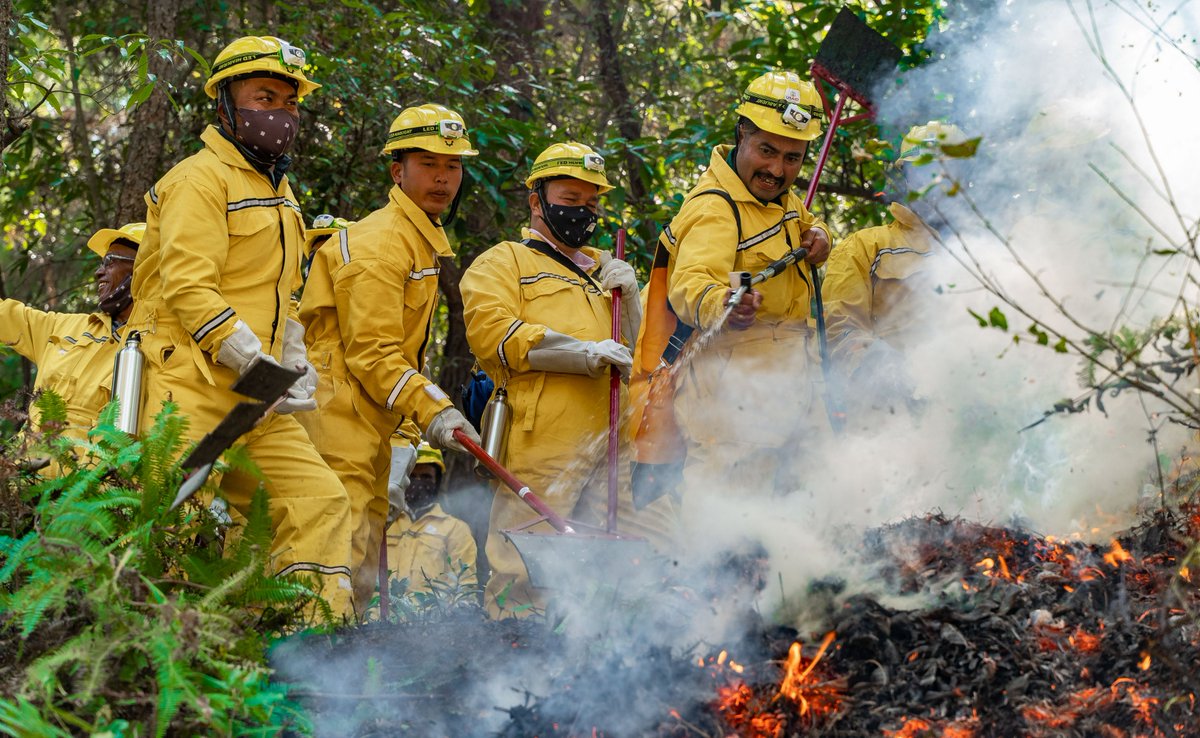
745, 401
435, 546
557, 439
74, 355
870, 279
366, 309
223, 244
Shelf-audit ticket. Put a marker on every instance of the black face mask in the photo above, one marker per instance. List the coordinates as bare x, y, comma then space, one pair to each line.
420, 495
573, 226
119, 299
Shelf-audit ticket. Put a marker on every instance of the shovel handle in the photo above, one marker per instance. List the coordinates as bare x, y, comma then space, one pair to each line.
516, 485
614, 400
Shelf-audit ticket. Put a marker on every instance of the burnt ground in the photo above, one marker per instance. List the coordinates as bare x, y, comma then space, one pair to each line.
1015, 635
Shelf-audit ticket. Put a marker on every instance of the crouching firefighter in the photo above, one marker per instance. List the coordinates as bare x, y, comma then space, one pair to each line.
212, 289
539, 320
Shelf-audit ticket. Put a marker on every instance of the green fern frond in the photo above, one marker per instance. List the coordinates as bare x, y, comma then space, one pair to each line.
20, 718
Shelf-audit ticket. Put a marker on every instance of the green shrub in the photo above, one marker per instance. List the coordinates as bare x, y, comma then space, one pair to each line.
120, 617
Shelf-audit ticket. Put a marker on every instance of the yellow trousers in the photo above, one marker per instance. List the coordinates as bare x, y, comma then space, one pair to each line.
310, 513
353, 435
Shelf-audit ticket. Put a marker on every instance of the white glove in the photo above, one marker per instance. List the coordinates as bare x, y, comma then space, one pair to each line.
404, 458
617, 273
241, 350
561, 353
295, 356
440, 432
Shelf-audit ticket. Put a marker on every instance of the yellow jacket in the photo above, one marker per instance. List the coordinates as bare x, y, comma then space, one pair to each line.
703, 243
511, 295
434, 546
869, 278
221, 244
369, 302
74, 355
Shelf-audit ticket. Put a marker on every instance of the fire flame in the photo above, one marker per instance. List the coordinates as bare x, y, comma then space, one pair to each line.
758, 715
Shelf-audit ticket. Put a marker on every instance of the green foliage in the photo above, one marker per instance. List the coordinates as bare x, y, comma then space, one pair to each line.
454, 589
654, 104
122, 617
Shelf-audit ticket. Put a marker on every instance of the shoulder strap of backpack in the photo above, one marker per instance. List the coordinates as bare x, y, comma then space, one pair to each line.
561, 258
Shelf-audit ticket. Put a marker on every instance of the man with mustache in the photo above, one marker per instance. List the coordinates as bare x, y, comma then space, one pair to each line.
743, 401
213, 284
74, 351
367, 307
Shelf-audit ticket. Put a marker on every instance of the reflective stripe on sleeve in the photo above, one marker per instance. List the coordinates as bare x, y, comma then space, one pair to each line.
208, 327
391, 400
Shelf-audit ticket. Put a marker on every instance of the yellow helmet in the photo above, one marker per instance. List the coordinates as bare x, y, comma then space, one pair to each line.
929, 138
103, 238
570, 160
323, 225
782, 103
429, 127
268, 54
427, 454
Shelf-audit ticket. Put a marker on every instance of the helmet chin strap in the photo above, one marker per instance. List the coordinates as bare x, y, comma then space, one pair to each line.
541, 193
225, 100
457, 198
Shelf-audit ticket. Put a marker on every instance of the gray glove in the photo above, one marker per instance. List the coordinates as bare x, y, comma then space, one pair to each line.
404, 458
617, 273
295, 356
440, 432
561, 353
242, 350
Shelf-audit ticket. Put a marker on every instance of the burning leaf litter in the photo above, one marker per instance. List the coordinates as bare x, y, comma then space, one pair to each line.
1020, 635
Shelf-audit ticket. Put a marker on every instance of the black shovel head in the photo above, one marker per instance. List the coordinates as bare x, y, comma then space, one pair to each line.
266, 382
854, 57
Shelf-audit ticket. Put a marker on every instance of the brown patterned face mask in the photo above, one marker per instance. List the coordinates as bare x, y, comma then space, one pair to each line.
119, 298
268, 134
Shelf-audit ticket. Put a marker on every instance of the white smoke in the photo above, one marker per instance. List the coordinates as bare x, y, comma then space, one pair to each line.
1024, 78
1065, 95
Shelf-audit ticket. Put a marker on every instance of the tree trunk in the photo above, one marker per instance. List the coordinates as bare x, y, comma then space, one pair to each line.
629, 124
8, 130
81, 144
148, 123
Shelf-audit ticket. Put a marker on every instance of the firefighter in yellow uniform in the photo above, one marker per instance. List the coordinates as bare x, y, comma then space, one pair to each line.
213, 285
323, 226
743, 403
367, 306
875, 285
74, 351
539, 321
425, 544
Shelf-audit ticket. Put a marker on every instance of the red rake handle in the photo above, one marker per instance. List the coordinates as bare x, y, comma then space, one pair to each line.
516, 485
614, 399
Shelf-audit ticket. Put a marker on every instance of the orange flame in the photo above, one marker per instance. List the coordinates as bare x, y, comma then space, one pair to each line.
1117, 555
918, 728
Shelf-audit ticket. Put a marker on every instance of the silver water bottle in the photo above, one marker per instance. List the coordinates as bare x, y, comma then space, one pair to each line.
127, 383
494, 429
